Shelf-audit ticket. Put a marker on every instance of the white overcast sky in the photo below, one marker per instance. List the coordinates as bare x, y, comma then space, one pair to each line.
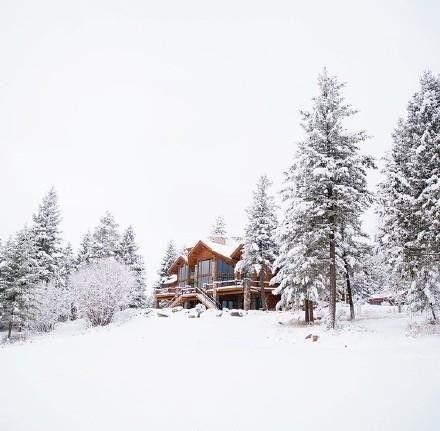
166, 112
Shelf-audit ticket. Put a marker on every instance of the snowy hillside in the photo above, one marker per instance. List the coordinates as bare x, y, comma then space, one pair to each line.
223, 373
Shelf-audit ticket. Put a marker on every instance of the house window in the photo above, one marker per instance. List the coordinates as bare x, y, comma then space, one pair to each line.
225, 271
182, 275
204, 272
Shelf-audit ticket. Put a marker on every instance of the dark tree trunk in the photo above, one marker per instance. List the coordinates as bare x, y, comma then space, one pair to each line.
263, 295
332, 293
9, 329
306, 311
310, 303
433, 313
349, 294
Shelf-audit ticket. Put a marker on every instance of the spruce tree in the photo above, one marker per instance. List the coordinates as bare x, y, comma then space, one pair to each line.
67, 266
105, 239
169, 257
325, 190
218, 229
20, 274
260, 248
47, 237
360, 267
85, 252
409, 196
128, 254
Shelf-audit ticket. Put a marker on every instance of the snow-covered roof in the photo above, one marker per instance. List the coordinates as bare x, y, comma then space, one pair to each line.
226, 250
169, 280
179, 259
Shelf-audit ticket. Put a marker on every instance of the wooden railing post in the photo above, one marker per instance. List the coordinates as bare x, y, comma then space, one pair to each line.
214, 291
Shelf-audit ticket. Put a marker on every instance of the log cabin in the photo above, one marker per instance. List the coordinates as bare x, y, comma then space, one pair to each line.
210, 273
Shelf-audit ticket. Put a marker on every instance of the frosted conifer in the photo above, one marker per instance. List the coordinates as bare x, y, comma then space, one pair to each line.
169, 257
410, 196
128, 254
47, 238
325, 189
260, 248
85, 252
19, 276
218, 229
105, 239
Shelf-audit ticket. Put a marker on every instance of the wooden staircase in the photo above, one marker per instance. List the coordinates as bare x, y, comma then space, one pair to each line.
207, 300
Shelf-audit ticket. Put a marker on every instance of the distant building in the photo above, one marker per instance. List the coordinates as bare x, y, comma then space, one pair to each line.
209, 274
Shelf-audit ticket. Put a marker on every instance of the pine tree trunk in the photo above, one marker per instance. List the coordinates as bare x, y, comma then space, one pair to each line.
434, 314
247, 294
9, 329
306, 311
263, 295
311, 319
332, 295
349, 294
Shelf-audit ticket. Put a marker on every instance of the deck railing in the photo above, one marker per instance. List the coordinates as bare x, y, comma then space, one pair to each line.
235, 282
207, 286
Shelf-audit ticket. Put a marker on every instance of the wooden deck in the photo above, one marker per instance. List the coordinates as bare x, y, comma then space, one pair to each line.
175, 296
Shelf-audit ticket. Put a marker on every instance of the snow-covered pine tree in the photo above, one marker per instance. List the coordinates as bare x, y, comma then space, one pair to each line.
369, 275
19, 276
169, 257
2, 263
105, 239
410, 196
128, 254
50, 302
218, 229
325, 189
67, 265
260, 248
360, 279
47, 237
85, 252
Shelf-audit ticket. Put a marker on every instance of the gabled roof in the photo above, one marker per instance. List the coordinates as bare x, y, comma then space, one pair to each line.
179, 261
230, 251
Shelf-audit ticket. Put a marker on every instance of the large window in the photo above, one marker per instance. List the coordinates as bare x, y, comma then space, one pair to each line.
225, 271
204, 272
183, 275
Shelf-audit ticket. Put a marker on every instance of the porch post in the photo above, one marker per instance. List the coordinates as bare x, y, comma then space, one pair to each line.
214, 278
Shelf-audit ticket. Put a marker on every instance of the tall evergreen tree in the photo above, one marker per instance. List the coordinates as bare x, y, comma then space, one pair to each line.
47, 237
325, 190
67, 266
85, 252
410, 196
260, 248
218, 229
106, 237
169, 257
360, 267
128, 253
19, 276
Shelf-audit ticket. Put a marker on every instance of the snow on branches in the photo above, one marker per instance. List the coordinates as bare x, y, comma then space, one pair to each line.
102, 288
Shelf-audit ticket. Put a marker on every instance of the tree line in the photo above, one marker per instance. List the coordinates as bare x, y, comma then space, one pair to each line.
43, 281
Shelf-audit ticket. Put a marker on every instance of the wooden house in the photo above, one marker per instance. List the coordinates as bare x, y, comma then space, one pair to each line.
208, 273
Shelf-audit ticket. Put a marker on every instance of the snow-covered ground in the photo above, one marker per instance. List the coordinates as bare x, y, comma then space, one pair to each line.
223, 373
